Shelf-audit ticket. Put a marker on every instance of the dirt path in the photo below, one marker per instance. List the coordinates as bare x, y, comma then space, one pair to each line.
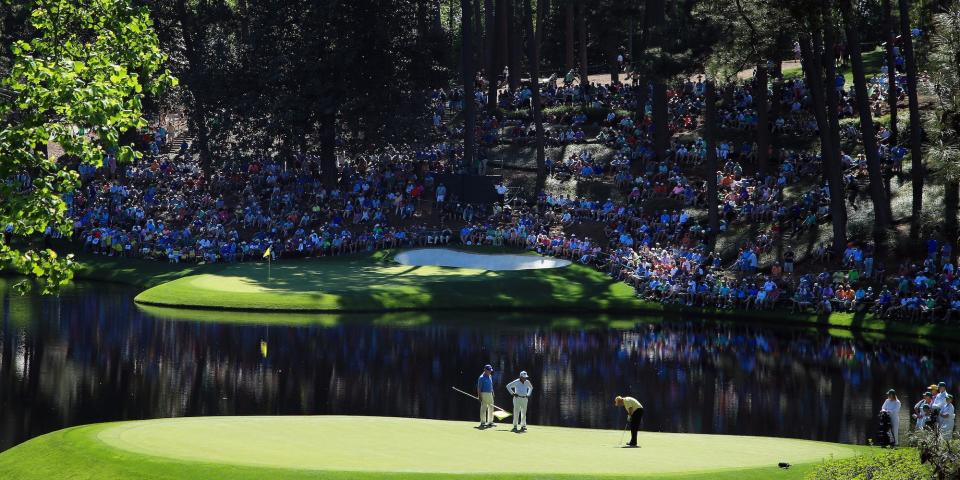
604, 78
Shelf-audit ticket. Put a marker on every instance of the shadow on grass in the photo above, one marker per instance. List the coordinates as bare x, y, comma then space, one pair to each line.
366, 284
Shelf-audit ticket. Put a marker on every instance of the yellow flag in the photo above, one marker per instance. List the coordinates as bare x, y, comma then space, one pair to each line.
266, 254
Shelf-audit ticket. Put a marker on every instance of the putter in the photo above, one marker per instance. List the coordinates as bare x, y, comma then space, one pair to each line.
622, 433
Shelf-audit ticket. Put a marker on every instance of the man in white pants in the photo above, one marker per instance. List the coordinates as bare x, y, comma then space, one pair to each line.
521, 389
948, 416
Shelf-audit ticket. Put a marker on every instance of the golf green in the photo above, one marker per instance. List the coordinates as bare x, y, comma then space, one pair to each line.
367, 447
370, 283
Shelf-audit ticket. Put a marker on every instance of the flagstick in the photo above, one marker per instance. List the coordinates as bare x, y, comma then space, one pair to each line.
269, 263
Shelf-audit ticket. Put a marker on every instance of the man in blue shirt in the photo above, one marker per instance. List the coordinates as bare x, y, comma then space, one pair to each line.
485, 394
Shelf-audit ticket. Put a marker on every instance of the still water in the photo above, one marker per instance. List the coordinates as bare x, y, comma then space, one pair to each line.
92, 355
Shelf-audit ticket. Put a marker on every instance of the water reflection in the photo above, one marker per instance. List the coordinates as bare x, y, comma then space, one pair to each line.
91, 355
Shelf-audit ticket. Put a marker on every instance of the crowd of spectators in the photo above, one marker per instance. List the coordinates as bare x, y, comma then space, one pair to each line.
163, 207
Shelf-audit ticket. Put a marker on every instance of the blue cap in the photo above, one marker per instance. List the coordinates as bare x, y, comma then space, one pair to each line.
488, 367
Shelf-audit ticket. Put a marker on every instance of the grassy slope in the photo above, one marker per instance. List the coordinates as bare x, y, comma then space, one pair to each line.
368, 447
872, 62
431, 288
373, 283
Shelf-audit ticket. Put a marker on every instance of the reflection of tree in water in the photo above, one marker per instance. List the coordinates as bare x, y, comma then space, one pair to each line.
92, 356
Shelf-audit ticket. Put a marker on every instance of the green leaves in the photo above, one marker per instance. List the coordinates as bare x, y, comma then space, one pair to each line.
84, 71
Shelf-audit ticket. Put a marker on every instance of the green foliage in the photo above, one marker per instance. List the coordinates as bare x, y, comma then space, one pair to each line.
78, 83
747, 32
943, 122
899, 464
939, 453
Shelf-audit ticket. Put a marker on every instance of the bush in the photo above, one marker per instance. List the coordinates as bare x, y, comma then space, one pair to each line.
942, 455
899, 464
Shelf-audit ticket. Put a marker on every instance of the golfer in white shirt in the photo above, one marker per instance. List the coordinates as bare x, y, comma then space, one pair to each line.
521, 389
892, 406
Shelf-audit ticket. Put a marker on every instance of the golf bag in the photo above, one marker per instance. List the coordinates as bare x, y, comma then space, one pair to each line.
884, 430
933, 419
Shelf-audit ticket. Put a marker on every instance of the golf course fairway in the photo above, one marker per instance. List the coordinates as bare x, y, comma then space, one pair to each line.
338, 447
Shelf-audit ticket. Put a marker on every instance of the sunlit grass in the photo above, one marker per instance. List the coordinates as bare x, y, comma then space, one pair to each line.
337, 447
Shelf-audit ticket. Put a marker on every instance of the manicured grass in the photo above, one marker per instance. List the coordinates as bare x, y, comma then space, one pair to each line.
134, 271
338, 447
375, 283
872, 63
318, 292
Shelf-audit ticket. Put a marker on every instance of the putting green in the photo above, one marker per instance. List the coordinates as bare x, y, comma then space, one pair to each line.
350, 447
371, 283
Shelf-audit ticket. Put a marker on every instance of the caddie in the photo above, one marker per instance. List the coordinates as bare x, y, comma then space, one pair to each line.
485, 394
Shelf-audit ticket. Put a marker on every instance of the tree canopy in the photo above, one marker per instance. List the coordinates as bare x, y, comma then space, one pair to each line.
77, 84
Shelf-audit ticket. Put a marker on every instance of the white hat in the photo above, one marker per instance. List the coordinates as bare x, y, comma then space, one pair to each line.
523, 374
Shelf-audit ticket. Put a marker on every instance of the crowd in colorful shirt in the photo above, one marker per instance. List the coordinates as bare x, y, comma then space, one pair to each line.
162, 207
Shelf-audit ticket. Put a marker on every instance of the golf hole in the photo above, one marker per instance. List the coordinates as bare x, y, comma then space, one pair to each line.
442, 257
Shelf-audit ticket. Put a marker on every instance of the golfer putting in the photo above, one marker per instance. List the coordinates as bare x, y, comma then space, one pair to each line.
521, 389
634, 415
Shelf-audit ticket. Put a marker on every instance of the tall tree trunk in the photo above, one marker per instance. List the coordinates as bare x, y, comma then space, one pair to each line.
244, 18
514, 49
713, 201
661, 127
814, 78
492, 73
763, 118
533, 58
450, 23
328, 148
828, 56
878, 192
568, 50
776, 103
917, 169
503, 43
582, 30
436, 19
479, 50
611, 48
192, 39
468, 77
891, 71
951, 204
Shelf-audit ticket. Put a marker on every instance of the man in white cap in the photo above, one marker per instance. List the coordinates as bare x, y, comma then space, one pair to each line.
521, 389
940, 397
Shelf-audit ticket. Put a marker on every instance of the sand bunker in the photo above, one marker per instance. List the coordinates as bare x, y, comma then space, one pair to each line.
442, 257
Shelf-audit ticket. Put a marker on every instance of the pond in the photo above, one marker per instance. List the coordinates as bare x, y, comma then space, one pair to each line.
92, 355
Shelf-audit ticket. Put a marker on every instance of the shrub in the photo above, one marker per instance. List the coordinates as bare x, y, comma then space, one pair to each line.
899, 464
942, 455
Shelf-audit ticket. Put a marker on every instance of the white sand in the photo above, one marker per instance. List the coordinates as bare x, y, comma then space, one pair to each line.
442, 257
